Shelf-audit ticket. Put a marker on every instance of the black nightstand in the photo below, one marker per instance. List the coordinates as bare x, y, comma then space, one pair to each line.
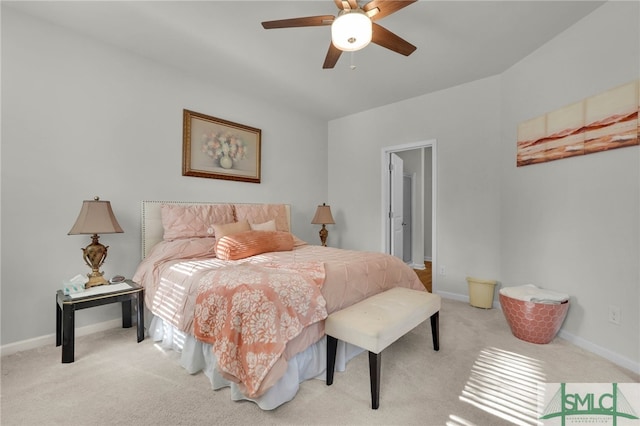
67, 305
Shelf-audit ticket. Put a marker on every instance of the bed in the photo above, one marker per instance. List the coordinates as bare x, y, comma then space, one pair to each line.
243, 300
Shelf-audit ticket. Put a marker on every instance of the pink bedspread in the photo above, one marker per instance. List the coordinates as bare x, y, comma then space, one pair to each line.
248, 313
172, 271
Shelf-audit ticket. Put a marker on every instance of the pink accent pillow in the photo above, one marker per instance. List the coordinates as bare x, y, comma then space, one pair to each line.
260, 213
251, 243
193, 220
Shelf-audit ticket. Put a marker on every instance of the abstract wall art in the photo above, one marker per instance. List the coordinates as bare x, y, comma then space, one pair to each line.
602, 122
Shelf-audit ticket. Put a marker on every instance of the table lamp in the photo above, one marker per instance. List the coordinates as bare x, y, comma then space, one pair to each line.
96, 217
323, 217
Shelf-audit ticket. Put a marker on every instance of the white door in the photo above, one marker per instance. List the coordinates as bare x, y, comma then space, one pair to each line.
407, 203
396, 174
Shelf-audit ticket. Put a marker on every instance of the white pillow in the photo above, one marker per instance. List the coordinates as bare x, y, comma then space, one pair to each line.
230, 228
266, 226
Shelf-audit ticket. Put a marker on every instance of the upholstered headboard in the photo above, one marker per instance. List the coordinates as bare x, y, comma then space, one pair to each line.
152, 229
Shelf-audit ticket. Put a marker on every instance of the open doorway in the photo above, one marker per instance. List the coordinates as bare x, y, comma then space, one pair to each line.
418, 160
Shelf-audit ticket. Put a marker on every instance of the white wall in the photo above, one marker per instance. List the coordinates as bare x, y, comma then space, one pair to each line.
573, 225
80, 119
464, 121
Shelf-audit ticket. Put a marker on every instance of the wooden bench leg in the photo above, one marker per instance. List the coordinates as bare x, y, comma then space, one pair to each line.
374, 377
435, 331
332, 345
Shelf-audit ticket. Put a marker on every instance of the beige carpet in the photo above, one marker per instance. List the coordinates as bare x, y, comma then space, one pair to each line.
117, 381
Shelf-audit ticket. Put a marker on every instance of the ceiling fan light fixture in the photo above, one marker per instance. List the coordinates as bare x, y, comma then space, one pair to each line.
351, 30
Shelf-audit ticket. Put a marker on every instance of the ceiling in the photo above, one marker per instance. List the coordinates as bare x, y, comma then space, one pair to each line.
224, 43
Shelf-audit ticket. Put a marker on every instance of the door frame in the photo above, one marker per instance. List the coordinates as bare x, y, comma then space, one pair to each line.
386, 192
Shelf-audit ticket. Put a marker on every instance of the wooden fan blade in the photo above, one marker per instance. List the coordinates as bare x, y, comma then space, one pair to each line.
309, 21
333, 54
385, 38
353, 4
385, 8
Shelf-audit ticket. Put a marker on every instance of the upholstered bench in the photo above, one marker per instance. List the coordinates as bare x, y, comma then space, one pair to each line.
376, 322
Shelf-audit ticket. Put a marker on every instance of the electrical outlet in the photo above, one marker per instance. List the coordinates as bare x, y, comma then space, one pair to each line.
443, 270
615, 314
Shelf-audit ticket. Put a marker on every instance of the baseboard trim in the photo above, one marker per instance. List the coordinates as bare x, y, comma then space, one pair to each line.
462, 298
573, 339
50, 339
599, 350
418, 266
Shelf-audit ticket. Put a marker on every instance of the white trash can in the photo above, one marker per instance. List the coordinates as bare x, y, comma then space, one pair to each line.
481, 292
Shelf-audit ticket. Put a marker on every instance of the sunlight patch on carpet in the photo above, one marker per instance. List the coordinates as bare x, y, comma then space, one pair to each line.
505, 384
458, 421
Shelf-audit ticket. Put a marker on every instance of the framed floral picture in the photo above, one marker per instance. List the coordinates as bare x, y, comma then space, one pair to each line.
219, 149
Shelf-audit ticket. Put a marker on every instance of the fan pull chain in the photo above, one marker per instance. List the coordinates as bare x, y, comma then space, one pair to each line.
352, 66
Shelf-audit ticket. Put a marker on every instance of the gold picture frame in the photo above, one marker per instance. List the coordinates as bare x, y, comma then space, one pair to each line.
219, 149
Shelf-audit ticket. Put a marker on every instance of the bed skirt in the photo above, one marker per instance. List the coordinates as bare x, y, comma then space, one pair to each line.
197, 356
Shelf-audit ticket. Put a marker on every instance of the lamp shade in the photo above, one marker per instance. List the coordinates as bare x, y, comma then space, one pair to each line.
323, 215
96, 217
351, 30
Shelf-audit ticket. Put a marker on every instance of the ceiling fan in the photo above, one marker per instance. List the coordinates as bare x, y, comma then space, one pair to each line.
354, 27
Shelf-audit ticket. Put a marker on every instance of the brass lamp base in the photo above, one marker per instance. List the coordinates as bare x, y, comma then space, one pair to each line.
323, 235
95, 280
94, 255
